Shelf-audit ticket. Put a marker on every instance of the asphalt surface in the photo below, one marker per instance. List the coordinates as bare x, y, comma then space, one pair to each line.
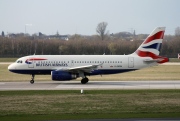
92, 85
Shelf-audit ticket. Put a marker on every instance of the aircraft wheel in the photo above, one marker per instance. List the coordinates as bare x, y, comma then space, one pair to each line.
32, 81
84, 80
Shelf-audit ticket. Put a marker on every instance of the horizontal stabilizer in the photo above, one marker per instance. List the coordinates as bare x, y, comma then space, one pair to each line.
158, 60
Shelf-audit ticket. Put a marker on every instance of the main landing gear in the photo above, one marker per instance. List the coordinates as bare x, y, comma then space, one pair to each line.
32, 79
84, 80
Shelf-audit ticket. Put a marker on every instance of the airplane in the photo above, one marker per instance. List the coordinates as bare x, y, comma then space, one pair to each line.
69, 67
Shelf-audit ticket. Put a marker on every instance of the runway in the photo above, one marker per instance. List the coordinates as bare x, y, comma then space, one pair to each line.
92, 85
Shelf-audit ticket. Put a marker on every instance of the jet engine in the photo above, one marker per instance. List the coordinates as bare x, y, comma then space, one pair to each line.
62, 76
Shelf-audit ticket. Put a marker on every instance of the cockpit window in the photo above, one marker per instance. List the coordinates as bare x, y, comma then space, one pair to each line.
19, 61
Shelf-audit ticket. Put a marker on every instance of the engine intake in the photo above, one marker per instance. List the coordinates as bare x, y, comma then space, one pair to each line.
62, 76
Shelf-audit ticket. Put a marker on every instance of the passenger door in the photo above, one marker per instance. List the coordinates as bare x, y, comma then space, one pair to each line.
131, 62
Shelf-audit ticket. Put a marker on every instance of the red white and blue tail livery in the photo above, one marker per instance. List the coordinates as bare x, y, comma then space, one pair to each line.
69, 67
152, 45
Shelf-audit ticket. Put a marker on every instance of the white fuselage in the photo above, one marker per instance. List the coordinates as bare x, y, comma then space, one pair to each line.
108, 64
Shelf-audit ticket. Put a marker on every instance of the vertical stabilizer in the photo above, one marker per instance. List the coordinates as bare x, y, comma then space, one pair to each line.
152, 45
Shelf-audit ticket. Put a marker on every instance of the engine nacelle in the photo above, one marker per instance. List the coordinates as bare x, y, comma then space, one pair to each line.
62, 76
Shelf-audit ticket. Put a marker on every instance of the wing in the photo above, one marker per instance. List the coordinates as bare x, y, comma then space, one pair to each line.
87, 68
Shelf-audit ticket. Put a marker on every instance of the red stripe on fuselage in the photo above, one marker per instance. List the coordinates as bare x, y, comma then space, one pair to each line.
158, 35
31, 59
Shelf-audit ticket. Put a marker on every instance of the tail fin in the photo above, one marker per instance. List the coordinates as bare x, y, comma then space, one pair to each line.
152, 45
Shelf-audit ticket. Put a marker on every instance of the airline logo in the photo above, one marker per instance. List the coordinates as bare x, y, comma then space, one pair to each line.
151, 46
158, 35
52, 64
156, 46
30, 60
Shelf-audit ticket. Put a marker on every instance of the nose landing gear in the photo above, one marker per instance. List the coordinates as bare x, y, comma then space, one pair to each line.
32, 79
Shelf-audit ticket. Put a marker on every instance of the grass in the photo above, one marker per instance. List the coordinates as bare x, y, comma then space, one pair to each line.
94, 104
174, 60
161, 72
8, 59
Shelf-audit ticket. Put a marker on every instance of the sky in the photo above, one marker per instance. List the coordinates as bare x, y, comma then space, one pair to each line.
83, 16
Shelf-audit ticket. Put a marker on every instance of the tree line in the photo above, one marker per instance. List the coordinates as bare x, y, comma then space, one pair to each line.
103, 43
79, 45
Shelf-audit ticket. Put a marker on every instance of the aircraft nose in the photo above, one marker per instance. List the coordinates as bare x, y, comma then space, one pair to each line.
10, 67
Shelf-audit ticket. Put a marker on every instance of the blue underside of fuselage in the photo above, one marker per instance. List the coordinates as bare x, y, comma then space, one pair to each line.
95, 72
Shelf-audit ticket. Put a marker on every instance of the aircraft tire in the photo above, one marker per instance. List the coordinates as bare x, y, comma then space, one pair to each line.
84, 80
32, 81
